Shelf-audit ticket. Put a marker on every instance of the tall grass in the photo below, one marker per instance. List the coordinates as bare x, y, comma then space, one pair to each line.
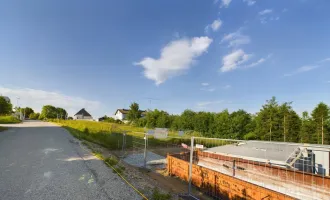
110, 135
9, 120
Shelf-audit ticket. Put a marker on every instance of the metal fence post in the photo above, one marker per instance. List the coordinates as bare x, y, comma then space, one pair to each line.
124, 143
145, 150
190, 164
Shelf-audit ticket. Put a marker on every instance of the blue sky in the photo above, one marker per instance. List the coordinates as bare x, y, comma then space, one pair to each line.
197, 54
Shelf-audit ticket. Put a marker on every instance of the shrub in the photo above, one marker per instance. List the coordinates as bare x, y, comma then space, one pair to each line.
9, 120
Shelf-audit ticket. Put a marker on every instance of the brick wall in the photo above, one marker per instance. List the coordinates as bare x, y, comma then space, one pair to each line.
220, 185
306, 179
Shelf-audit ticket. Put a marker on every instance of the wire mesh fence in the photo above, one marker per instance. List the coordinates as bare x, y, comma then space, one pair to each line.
298, 170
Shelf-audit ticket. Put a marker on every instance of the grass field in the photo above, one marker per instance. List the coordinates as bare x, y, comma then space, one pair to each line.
9, 120
110, 135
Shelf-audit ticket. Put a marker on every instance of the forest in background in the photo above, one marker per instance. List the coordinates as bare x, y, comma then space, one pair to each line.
274, 122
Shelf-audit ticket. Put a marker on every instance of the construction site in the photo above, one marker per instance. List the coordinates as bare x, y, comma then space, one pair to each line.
232, 169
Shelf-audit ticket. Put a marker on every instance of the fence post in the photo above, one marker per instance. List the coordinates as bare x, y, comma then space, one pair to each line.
191, 163
124, 143
145, 150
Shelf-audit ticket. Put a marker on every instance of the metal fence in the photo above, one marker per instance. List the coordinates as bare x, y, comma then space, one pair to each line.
300, 171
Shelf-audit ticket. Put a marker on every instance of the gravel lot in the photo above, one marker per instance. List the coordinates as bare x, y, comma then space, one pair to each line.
41, 161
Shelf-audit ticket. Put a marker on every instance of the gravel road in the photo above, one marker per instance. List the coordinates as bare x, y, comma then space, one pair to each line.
41, 161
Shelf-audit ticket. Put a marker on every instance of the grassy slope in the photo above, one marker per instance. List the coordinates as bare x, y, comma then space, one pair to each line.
9, 120
110, 135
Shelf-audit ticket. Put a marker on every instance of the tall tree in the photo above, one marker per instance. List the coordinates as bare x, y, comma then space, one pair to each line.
320, 117
48, 112
61, 113
27, 111
134, 113
5, 106
268, 121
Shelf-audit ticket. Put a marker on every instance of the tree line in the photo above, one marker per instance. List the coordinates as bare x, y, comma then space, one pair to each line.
47, 112
274, 122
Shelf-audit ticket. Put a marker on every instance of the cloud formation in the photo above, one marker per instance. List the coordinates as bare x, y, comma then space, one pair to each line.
215, 26
303, 69
236, 39
37, 98
250, 2
205, 84
206, 103
225, 3
265, 12
258, 62
232, 60
175, 58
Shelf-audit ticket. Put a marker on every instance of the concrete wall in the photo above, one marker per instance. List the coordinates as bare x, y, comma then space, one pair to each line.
220, 185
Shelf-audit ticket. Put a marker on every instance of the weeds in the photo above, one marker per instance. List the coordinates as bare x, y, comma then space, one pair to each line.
157, 195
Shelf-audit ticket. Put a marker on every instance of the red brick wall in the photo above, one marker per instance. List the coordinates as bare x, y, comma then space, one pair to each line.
220, 185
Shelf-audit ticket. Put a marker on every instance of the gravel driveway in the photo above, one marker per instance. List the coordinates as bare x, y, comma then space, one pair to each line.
41, 161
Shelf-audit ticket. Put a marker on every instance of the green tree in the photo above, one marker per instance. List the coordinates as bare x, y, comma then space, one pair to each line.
5, 106
240, 124
48, 112
267, 121
27, 111
221, 126
187, 120
307, 129
34, 116
61, 113
134, 113
320, 117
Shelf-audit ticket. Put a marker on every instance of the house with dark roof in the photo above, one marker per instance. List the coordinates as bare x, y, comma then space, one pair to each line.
121, 114
83, 115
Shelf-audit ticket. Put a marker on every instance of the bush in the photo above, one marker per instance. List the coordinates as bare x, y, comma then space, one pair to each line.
9, 120
250, 136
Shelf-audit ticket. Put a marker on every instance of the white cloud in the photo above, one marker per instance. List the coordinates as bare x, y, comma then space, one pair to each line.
233, 60
215, 26
208, 89
37, 98
250, 2
175, 58
258, 62
226, 87
205, 84
328, 81
265, 12
207, 103
236, 39
225, 3
303, 69
324, 60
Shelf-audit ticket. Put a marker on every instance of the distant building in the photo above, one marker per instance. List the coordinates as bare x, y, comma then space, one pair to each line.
121, 114
83, 115
6, 98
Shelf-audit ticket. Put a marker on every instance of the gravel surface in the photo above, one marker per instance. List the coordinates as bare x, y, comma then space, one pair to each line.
137, 159
41, 161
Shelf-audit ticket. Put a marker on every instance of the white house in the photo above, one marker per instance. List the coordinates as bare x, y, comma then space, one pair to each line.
121, 114
83, 115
